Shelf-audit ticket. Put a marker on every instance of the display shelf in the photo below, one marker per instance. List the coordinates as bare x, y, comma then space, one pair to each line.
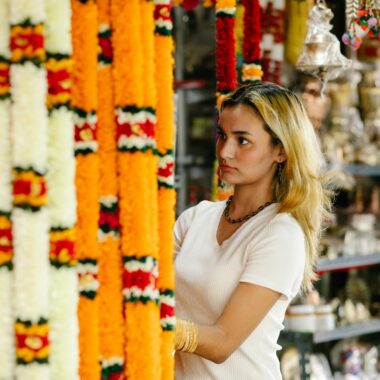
363, 170
358, 329
347, 262
343, 332
358, 169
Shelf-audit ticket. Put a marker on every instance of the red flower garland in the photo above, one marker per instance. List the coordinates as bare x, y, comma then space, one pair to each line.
226, 76
252, 34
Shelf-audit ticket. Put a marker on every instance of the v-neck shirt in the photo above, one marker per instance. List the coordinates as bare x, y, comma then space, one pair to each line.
267, 250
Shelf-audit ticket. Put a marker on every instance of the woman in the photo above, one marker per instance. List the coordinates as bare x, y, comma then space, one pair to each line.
239, 263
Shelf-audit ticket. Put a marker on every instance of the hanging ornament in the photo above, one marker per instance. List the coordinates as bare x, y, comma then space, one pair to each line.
321, 55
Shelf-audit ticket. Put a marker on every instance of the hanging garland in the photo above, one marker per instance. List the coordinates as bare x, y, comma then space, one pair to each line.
226, 76
272, 29
84, 101
164, 47
297, 14
29, 216
251, 70
135, 137
61, 195
6, 249
111, 323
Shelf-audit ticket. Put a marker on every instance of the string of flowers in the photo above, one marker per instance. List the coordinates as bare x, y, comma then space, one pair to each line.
6, 250
226, 76
272, 29
208, 3
251, 70
135, 136
296, 28
61, 196
84, 101
111, 323
164, 47
29, 216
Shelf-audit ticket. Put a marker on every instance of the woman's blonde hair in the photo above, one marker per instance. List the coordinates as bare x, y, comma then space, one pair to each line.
300, 186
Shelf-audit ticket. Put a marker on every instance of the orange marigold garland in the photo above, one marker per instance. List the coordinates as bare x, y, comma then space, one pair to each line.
6, 246
111, 327
29, 215
164, 47
135, 136
64, 354
84, 100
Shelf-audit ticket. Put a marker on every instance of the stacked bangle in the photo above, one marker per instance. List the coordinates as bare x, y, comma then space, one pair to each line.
186, 336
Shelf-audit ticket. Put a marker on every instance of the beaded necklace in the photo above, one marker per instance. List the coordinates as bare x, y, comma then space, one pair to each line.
243, 218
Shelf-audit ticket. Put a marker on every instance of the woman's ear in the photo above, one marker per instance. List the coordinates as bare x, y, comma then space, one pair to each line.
281, 155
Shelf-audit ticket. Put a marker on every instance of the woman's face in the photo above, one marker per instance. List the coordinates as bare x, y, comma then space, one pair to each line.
244, 149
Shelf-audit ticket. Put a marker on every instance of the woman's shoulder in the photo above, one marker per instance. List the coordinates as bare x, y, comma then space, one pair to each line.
201, 208
286, 226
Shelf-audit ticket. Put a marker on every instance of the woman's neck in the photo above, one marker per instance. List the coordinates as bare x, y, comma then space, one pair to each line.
249, 198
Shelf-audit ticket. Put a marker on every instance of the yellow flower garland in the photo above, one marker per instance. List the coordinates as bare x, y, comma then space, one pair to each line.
110, 274
164, 47
134, 118
84, 100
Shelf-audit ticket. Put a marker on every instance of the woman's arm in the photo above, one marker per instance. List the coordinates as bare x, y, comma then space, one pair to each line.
244, 311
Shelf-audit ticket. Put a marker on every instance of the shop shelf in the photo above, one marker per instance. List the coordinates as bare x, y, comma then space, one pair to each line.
347, 262
355, 330
343, 332
363, 170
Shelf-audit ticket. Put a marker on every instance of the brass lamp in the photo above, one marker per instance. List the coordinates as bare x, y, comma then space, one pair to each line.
321, 54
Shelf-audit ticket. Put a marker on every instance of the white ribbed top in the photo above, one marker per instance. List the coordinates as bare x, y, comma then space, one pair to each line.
267, 250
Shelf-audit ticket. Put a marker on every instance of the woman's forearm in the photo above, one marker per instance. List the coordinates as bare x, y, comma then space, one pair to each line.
213, 344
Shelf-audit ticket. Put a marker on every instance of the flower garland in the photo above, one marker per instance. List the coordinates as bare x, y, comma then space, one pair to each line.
6, 249
84, 100
29, 216
135, 118
272, 29
226, 76
297, 12
208, 3
251, 70
61, 195
164, 47
111, 323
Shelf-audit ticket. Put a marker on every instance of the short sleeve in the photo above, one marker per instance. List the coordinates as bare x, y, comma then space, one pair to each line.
277, 260
181, 227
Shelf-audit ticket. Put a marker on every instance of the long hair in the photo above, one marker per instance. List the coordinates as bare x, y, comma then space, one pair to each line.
300, 186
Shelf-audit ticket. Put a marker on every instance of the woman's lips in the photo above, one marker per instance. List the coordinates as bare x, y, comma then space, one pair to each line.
226, 168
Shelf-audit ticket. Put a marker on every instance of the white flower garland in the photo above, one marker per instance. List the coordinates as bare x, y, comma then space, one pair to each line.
7, 347
61, 174
5, 156
7, 357
29, 116
31, 246
33, 371
64, 352
58, 27
22, 10
30, 228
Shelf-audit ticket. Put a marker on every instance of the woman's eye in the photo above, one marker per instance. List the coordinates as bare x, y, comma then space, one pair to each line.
221, 135
242, 141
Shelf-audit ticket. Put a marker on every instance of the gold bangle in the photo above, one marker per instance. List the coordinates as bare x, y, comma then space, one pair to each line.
185, 336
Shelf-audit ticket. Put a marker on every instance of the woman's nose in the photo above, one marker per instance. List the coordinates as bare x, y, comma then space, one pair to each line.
227, 150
